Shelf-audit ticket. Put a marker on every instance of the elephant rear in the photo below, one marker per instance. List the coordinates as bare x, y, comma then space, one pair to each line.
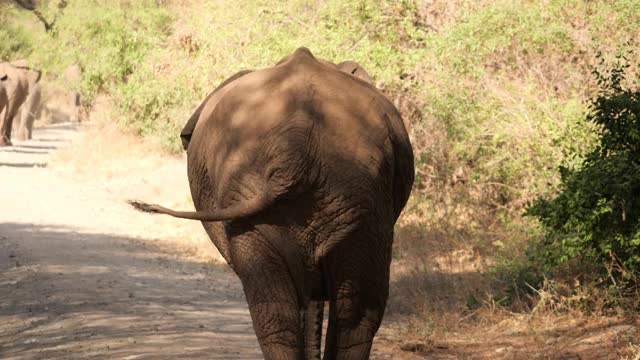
299, 173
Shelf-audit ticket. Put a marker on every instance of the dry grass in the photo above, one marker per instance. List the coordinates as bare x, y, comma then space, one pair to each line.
443, 306
446, 304
519, 117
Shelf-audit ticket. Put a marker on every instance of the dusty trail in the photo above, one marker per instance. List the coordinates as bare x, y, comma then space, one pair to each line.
77, 281
83, 276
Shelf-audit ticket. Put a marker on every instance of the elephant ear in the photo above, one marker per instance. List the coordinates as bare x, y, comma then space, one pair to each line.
355, 69
187, 130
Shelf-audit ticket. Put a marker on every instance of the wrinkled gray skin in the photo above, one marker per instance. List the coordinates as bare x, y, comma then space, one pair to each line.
16, 87
299, 173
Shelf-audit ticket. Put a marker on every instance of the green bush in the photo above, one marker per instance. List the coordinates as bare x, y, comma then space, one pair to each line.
15, 40
200, 53
596, 215
502, 35
109, 40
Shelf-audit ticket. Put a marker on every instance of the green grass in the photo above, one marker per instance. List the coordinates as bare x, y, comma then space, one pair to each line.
108, 39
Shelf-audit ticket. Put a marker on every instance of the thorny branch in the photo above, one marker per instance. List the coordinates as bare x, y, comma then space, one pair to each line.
31, 6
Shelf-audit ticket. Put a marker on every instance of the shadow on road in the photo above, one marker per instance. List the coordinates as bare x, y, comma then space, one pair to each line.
19, 151
24, 165
35, 152
53, 139
98, 296
35, 147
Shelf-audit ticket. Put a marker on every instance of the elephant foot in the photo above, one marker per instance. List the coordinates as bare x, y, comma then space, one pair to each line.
5, 142
20, 137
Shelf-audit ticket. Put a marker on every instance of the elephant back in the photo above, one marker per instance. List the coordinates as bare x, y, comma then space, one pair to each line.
277, 130
240, 149
16, 84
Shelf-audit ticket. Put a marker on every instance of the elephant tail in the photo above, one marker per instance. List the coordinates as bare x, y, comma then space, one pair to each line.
239, 210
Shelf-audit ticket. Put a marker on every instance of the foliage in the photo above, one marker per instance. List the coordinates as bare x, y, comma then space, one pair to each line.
596, 215
108, 40
157, 99
14, 41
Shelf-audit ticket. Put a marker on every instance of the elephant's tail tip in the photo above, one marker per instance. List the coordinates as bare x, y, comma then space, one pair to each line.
143, 206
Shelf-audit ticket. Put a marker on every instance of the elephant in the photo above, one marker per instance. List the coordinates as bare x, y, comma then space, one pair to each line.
18, 85
4, 100
72, 76
298, 173
28, 112
16, 88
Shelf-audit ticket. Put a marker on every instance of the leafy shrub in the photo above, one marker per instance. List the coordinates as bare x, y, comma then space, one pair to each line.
157, 99
14, 41
596, 215
113, 41
109, 40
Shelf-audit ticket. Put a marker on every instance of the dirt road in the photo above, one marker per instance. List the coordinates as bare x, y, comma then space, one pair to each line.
78, 281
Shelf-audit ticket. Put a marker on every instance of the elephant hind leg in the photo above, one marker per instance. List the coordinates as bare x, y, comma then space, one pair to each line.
276, 326
353, 323
271, 296
4, 141
359, 288
7, 124
5, 134
19, 131
312, 325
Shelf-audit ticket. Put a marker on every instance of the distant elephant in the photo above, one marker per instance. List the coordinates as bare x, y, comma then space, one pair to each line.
72, 76
298, 173
4, 100
16, 86
23, 122
28, 113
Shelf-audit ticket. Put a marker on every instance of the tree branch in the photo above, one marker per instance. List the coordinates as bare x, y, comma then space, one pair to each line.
31, 6
25, 4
